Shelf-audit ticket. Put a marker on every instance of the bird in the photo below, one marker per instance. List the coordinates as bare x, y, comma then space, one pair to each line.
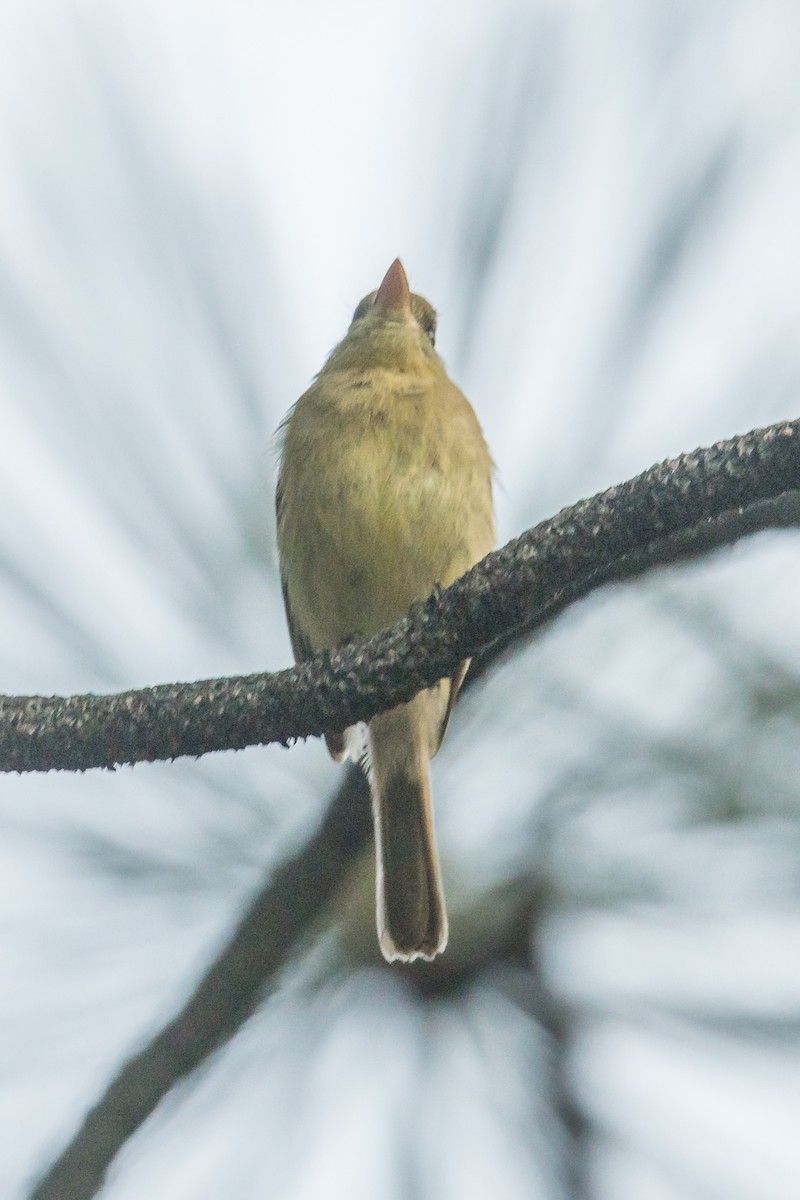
384, 494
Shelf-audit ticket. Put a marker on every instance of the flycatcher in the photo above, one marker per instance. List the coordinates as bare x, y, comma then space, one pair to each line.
385, 491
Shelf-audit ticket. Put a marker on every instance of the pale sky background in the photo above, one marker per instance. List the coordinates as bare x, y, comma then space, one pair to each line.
602, 201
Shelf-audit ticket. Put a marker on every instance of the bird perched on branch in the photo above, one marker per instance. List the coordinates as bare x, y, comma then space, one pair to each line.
385, 492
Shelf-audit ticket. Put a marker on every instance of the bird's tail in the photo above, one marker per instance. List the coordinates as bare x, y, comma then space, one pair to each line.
412, 920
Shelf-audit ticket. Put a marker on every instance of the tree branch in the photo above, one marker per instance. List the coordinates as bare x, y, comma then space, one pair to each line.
676, 509
298, 893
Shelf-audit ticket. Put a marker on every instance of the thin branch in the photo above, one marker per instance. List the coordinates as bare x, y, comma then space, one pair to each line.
699, 500
688, 545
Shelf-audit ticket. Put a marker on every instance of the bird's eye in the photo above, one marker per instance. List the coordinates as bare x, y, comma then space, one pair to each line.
430, 329
363, 307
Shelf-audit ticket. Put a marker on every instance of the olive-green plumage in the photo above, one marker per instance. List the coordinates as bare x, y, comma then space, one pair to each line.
385, 490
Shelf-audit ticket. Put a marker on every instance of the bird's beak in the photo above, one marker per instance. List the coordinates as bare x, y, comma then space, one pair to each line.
393, 292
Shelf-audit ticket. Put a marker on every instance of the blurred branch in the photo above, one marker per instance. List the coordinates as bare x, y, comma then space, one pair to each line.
678, 509
224, 998
282, 912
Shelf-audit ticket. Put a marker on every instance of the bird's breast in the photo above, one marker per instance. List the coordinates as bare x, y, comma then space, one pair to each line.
386, 491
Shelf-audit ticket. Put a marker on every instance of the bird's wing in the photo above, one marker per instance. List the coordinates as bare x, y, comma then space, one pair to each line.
301, 646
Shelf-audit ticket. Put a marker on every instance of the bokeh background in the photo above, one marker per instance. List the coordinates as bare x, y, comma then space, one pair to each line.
602, 200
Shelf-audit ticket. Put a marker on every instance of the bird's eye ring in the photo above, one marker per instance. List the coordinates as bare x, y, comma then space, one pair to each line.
363, 307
